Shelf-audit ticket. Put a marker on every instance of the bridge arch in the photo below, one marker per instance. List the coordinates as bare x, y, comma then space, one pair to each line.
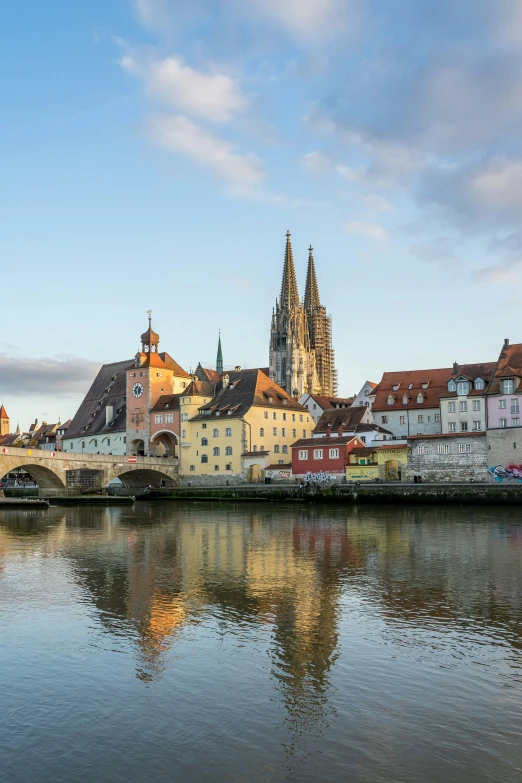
164, 443
43, 476
142, 477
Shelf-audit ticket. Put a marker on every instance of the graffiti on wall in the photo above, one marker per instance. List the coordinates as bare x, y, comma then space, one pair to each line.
318, 477
278, 474
510, 473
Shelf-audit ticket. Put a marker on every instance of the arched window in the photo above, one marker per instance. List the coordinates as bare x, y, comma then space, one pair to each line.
285, 449
276, 449
216, 433
262, 432
391, 399
204, 458
228, 467
420, 398
204, 441
405, 399
254, 448
228, 451
216, 467
261, 448
228, 432
193, 467
216, 452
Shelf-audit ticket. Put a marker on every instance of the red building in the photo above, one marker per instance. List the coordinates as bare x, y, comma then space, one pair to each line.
323, 455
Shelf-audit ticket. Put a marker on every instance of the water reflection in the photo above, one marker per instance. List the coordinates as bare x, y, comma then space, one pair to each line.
312, 587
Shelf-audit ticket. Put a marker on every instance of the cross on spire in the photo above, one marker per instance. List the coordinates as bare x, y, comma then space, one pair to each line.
311, 300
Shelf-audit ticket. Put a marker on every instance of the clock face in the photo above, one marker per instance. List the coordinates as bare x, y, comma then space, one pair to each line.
137, 390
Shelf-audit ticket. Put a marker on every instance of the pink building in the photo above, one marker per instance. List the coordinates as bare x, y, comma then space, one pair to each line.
505, 390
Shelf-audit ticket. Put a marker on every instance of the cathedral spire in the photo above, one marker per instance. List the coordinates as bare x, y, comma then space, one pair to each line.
311, 300
289, 293
219, 358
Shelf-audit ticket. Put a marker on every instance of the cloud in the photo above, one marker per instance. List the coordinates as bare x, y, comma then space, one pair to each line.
310, 22
439, 250
179, 134
215, 97
365, 229
59, 376
497, 274
316, 163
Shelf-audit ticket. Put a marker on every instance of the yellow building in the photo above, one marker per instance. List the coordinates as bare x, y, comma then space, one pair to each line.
385, 463
247, 424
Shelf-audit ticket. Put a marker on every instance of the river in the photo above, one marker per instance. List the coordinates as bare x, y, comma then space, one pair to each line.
250, 643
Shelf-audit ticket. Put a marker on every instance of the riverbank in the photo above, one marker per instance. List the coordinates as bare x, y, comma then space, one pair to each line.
402, 494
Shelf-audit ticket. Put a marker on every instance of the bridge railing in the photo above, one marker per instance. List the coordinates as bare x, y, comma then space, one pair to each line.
77, 456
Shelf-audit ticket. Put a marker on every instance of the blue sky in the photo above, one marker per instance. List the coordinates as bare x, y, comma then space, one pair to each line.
155, 152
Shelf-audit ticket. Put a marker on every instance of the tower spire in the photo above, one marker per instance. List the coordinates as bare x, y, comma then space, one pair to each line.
289, 293
311, 300
219, 358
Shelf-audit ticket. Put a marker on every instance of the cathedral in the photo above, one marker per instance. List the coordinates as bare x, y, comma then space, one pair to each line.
301, 353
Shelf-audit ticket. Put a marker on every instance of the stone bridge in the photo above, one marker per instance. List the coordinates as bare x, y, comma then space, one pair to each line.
58, 473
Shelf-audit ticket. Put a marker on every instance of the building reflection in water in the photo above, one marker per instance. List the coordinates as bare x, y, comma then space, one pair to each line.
280, 574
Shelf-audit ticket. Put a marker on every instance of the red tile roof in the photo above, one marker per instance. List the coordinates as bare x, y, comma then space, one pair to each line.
320, 442
510, 362
3, 413
436, 381
347, 418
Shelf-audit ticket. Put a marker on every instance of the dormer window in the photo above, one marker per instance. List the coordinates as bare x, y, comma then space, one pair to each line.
395, 387
410, 386
479, 384
270, 399
405, 399
424, 385
391, 399
452, 386
508, 386
462, 388
420, 398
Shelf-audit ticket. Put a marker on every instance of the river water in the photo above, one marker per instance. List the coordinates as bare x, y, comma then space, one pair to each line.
252, 643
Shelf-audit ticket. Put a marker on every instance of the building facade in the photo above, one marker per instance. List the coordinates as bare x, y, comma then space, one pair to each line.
301, 353
317, 404
323, 455
452, 457
463, 403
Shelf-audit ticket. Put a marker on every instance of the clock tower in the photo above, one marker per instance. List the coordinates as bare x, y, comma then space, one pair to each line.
147, 379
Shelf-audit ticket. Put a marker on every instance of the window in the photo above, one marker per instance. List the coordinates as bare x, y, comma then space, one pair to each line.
132, 375
255, 448
422, 449
452, 427
262, 432
158, 419
184, 417
261, 448
395, 387
476, 425
108, 441
158, 375
442, 448
462, 387
204, 426
479, 384
303, 454
424, 385
402, 419
452, 386
192, 467
420, 398
420, 418
215, 451
285, 449
274, 415
508, 387
228, 467
216, 467
228, 451
334, 453
284, 416
314, 406
476, 405
266, 414
95, 442
463, 406
143, 374
283, 432
228, 432
294, 433
502, 422
72, 445
204, 458
405, 399
437, 417
451, 407
215, 433
463, 426
501, 403
363, 438
304, 433
183, 433
274, 430
300, 417
514, 406
318, 453
391, 399
276, 449
515, 422
464, 448
204, 441
169, 418
384, 419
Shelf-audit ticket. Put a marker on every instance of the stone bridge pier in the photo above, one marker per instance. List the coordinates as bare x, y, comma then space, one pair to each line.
67, 473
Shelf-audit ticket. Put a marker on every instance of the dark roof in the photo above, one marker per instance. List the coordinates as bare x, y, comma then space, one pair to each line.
321, 442
470, 434
8, 440
200, 389
347, 418
173, 365
437, 381
361, 451
205, 374
510, 364
255, 453
283, 466
327, 403
167, 402
247, 388
471, 372
372, 428
104, 391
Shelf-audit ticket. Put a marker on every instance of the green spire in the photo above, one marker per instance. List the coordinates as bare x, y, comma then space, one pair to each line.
219, 359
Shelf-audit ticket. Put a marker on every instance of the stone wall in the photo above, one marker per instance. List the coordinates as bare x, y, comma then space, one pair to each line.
504, 446
83, 481
210, 480
426, 461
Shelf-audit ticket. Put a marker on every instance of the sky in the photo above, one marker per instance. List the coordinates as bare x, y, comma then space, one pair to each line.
153, 154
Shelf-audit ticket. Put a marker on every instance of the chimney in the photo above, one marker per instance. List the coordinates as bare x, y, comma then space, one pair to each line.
340, 431
506, 343
455, 368
328, 430
238, 368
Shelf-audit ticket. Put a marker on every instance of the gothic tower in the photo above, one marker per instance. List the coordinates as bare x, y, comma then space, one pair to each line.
4, 421
292, 360
320, 332
219, 358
